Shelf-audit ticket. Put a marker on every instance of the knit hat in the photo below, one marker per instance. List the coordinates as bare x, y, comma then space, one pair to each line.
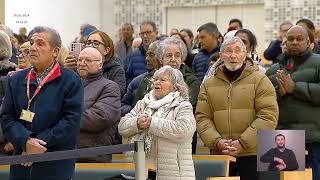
5, 46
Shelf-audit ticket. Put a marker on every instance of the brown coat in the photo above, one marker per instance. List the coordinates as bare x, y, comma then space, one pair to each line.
236, 110
101, 114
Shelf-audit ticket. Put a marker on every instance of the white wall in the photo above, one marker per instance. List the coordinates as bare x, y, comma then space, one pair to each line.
66, 16
252, 17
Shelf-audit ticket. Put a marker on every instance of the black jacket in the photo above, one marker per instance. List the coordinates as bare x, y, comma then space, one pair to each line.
287, 156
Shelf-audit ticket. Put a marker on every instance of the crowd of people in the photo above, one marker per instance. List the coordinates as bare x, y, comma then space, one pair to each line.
163, 89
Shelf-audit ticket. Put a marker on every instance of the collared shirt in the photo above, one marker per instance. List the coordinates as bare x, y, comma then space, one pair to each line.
41, 76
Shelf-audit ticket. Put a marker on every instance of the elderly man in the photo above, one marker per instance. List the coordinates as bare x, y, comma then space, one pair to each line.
101, 103
42, 109
134, 65
232, 105
296, 78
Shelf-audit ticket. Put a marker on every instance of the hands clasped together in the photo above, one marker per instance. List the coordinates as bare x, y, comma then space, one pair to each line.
144, 121
229, 147
34, 146
286, 84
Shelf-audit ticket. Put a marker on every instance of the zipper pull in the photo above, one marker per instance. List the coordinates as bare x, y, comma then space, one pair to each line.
229, 91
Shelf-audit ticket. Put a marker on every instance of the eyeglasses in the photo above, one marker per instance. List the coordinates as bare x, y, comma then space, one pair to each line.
94, 43
23, 53
87, 61
230, 51
145, 33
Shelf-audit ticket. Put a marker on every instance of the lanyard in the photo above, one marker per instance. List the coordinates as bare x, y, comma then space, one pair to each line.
44, 80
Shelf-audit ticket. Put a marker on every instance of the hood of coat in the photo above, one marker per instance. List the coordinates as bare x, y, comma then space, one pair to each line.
115, 61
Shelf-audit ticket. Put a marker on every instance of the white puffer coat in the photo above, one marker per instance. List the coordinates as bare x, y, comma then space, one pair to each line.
172, 137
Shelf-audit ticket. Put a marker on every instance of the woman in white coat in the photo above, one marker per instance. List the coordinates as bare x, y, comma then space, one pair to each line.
164, 120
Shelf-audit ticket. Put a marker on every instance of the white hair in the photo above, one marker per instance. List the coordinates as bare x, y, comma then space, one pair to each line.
233, 40
174, 41
176, 78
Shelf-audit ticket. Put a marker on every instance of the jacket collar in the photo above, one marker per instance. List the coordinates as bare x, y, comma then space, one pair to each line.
216, 49
54, 75
285, 59
93, 77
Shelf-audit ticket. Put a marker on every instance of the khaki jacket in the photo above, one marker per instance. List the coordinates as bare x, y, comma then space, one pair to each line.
236, 110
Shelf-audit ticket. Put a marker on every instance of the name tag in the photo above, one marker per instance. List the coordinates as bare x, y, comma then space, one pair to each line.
27, 115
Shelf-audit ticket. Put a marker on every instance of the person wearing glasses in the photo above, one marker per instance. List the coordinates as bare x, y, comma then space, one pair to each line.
112, 68
102, 105
232, 105
135, 64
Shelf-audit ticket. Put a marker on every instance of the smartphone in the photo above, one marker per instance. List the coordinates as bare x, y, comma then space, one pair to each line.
75, 49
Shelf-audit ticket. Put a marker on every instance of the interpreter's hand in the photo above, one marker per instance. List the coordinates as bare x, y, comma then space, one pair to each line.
279, 160
223, 143
281, 167
70, 62
286, 81
144, 121
8, 147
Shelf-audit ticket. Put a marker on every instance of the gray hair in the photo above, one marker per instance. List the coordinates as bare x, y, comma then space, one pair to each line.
233, 40
7, 30
5, 46
55, 39
176, 79
174, 41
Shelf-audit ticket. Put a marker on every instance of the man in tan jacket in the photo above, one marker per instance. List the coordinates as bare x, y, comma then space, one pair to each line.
232, 105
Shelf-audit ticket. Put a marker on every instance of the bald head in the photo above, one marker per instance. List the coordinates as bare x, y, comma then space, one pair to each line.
91, 52
301, 29
89, 62
298, 41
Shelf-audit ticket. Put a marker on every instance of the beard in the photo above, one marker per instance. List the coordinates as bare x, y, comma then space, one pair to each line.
233, 68
280, 147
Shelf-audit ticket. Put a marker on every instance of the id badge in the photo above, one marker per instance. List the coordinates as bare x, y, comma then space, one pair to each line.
27, 115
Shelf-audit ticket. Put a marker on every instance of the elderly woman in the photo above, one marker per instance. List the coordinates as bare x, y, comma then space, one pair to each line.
101, 103
164, 119
173, 52
233, 105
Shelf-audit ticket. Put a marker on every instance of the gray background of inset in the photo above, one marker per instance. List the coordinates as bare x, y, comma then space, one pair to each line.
295, 140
